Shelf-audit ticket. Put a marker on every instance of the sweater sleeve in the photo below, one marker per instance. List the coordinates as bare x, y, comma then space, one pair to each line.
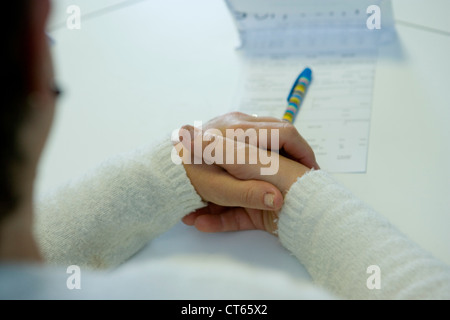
103, 218
351, 250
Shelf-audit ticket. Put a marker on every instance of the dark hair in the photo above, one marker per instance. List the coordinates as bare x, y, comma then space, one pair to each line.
14, 91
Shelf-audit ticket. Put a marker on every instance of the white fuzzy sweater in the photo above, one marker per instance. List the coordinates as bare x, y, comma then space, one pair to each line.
106, 216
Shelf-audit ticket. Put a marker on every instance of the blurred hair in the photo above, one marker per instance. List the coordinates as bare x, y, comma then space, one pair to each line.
14, 58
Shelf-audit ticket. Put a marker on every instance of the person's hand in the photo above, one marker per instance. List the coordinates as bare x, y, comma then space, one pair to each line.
290, 143
227, 194
216, 186
214, 218
220, 218
243, 205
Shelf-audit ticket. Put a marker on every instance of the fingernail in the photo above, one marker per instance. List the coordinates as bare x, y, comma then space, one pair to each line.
269, 199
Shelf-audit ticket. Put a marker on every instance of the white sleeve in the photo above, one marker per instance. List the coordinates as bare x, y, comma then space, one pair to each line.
338, 237
106, 216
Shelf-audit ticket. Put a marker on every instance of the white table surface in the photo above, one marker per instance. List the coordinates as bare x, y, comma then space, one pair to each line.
118, 74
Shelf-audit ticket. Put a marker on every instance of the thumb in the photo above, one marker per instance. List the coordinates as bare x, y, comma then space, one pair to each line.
233, 192
253, 194
237, 188
217, 186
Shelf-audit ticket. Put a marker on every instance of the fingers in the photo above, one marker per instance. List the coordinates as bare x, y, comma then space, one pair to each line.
297, 148
263, 132
212, 219
241, 160
211, 208
215, 185
251, 194
290, 140
233, 219
287, 138
249, 164
240, 201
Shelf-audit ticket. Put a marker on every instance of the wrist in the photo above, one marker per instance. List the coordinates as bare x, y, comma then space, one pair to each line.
290, 171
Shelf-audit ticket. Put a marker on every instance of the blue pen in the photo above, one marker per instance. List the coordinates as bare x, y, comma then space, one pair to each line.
297, 95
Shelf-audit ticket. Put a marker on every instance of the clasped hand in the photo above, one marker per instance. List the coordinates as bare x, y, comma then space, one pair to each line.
228, 173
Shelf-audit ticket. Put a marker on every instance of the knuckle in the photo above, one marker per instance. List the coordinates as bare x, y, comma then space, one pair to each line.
289, 131
275, 120
186, 131
248, 195
236, 114
241, 125
289, 127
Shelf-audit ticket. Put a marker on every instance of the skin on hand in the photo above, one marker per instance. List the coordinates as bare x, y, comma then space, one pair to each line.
233, 204
291, 144
215, 185
216, 218
221, 219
